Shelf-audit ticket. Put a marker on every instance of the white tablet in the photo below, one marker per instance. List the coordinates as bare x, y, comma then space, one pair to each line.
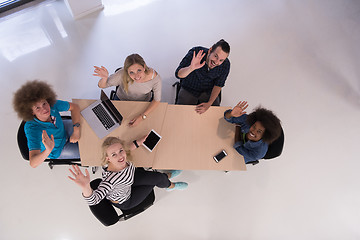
152, 140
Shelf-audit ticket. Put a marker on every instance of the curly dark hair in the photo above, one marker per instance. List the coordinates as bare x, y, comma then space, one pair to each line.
269, 120
29, 94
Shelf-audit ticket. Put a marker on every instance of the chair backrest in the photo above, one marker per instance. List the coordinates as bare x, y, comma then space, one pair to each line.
106, 213
104, 210
275, 148
22, 141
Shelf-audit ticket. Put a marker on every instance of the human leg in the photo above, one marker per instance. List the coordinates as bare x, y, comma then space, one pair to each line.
143, 178
186, 98
204, 97
70, 150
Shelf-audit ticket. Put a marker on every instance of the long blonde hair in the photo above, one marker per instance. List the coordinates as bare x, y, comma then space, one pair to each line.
129, 61
107, 143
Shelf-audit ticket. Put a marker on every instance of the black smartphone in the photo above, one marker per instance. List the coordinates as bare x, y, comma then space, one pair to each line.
220, 156
152, 140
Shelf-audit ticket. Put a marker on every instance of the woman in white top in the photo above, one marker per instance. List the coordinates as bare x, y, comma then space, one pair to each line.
123, 184
136, 81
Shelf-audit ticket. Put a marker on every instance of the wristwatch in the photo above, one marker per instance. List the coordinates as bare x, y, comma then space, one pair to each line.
136, 144
76, 125
143, 116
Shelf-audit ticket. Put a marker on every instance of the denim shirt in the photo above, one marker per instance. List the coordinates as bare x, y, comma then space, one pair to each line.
250, 150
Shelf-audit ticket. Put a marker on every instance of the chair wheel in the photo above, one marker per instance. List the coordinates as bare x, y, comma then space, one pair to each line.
51, 166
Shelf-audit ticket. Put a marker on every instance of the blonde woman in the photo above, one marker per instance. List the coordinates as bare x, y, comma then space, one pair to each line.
136, 81
123, 184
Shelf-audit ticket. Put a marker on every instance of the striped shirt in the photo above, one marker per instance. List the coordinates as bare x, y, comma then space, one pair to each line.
115, 186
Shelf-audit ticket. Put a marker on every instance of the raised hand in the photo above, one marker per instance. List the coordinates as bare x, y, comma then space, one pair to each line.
101, 72
238, 110
78, 177
48, 142
195, 62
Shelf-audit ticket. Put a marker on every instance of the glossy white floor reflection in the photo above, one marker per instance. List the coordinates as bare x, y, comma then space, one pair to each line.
299, 58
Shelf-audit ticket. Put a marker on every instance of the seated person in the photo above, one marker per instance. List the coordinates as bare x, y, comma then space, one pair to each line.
203, 73
136, 81
48, 136
122, 184
259, 129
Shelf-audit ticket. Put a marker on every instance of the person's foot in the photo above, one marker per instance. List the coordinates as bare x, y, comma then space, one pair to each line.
178, 186
174, 173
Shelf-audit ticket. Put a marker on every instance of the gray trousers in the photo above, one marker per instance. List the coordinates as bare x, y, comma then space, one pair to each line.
186, 98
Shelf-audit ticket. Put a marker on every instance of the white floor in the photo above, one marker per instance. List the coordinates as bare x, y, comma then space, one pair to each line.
299, 58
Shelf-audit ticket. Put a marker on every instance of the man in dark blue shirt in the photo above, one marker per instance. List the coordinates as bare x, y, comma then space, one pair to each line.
203, 73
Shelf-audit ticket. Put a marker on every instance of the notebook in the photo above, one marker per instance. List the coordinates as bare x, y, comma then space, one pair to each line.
102, 116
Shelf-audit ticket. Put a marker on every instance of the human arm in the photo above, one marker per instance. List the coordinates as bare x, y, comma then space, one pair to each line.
36, 157
203, 107
251, 151
103, 73
139, 142
134, 122
156, 91
81, 180
237, 111
194, 64
75, 116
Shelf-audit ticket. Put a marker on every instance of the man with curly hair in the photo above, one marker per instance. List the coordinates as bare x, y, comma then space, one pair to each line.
259, 129
35, 102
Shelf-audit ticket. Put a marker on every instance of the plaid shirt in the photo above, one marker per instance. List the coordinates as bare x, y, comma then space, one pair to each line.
202, 79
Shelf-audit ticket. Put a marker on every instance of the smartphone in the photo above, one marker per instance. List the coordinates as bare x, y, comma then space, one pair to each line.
152, 140
220, 156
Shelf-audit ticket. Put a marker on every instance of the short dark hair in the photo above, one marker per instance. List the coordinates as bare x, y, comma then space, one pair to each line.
223, 44
269, 120
29, 94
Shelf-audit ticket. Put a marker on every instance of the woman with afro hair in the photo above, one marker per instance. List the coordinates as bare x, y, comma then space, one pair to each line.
48, 136
258, 129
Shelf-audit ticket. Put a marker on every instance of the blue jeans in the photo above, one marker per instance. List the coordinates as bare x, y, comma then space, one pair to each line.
70, 150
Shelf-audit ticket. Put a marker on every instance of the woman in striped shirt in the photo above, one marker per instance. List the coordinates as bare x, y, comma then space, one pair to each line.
123, 184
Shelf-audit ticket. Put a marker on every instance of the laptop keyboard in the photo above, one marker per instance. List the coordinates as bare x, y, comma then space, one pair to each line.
103, 116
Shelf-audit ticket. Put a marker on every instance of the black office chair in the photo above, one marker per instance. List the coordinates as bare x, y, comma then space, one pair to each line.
105, 212
274, 149
24, 150
177, 84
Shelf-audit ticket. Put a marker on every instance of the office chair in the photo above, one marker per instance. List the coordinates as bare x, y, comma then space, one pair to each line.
274, 149
177, 84
113, 92
105, 212
24, 150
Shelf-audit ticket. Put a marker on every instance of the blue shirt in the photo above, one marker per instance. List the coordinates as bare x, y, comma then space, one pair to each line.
202, 79
33, 130
250, 150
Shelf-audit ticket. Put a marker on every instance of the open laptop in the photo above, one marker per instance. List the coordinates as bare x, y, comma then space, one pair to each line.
102, 116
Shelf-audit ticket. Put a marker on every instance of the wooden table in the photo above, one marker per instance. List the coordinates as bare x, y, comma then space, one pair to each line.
189, 140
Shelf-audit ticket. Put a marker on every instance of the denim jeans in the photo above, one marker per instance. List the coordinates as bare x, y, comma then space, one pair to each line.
70, 150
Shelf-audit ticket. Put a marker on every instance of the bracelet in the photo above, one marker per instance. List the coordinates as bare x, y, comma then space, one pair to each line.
136, 145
